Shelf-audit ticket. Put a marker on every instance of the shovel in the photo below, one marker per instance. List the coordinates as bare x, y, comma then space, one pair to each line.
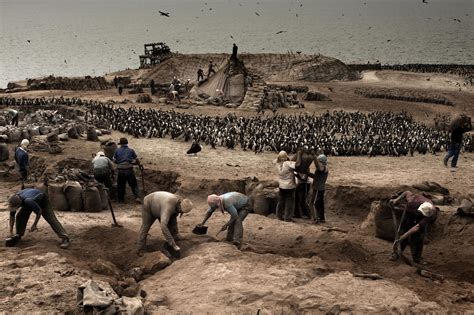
115, 224
143, 180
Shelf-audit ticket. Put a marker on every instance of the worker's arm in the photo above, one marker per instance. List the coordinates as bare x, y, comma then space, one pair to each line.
234, 215
31, 203
208, 214
166, 213
411, 231
12, 221
399, 198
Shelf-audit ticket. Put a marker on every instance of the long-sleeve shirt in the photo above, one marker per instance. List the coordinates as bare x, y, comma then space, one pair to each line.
124, 157
22, 159
286, 175
232, 202
161, 205
102, 164
31, 198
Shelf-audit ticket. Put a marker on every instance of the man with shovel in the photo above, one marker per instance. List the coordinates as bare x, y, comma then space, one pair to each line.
237, 205
126, 158
418, 213
165, 207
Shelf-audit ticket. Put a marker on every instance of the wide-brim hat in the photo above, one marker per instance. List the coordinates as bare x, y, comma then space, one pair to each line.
186, 205
427, 208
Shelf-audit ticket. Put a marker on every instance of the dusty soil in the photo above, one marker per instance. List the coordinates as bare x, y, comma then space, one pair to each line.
282, 267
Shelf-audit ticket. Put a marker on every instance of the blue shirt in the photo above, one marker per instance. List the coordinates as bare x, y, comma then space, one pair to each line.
30, 199
124, 155
232, 202
22, 159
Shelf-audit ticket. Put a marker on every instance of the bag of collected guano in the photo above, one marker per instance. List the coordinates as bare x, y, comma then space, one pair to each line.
57, 198
73, 192
4, 153
92, 201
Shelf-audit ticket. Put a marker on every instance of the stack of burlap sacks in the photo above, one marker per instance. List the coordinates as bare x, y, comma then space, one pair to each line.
63, 83
276, 98
74, 196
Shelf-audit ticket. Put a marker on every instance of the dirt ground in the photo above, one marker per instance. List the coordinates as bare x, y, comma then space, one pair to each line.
282, 268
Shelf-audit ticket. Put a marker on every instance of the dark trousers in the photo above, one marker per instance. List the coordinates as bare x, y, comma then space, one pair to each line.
15, 120
453, 151
23, 216
415, 241
286, 204
301, 206
104, 178
126, 176
319, 204
23, 177
200, 77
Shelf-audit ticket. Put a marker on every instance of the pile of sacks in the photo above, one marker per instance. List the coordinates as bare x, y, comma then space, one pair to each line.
276, 98
62, 83
71, 195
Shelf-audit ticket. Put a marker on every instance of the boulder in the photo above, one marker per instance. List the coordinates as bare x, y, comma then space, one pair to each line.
105, 267
153, 262
4, 152
73, 133
52, 137
55, 148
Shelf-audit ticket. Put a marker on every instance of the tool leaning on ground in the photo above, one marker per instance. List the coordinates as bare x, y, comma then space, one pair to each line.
140, 166
114, 224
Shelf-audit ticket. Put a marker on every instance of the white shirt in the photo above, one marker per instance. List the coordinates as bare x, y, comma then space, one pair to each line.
286, 175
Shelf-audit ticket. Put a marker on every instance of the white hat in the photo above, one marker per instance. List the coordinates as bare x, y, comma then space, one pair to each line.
427, 209
282, 157
24, 143
100, 153
186, 205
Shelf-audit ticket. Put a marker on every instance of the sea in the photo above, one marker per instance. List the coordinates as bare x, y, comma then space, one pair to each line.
93, 37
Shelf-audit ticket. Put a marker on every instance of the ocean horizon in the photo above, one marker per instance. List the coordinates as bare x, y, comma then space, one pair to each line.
86, 37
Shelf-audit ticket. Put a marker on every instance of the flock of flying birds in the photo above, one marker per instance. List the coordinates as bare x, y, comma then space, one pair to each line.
168, 15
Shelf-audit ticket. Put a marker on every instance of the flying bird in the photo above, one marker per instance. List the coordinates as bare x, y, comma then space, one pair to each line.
279, 32
28, 41
231, 36
424, 1
164, 13
296, 14
65, 61
256, 13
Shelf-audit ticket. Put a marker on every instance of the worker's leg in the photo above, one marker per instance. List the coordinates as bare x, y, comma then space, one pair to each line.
230, 232
132, 181
21, 220
290, 204
416, 246
281, 203
239, 226
121, 181
147, 222
50, 217
456, 151
319, 205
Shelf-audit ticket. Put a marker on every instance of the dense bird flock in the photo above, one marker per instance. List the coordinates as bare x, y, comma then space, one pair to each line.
334, 133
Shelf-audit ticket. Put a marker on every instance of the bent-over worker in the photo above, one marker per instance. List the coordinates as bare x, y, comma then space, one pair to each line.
237, 205
165, 207
103, 170
419, 213
32, 200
